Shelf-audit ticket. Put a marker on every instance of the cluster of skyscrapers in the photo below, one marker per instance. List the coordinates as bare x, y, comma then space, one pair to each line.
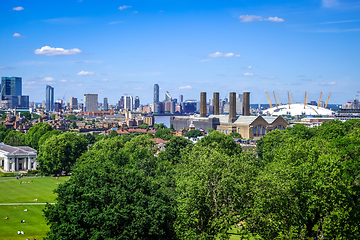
11, 93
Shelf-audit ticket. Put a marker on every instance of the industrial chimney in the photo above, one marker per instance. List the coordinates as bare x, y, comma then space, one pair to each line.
246, 104
203, 104
216, 104
232, 107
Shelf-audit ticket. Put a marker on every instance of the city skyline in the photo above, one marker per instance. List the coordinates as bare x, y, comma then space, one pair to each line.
82, 47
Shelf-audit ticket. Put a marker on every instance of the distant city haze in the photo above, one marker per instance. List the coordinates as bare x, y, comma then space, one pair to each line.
186, 47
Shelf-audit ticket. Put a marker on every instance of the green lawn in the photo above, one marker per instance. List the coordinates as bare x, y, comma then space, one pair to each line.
41, 188
34, 226
13, 192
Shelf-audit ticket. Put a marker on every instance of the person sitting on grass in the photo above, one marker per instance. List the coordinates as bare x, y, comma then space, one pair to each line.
23, 221
18, 232
6, 217
25, 210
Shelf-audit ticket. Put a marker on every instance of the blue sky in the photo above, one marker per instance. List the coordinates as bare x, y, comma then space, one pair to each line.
124, 47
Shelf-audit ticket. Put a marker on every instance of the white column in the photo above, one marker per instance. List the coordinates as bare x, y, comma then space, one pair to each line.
16, 164
25, 163
13, 164
28, 162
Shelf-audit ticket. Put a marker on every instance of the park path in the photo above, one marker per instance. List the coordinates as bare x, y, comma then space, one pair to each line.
5, 204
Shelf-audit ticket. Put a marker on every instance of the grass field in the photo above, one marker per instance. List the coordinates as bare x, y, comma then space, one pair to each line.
34, 226
41, 188
11, 191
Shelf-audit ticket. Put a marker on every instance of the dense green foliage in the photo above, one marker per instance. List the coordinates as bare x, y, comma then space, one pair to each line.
235, 135
115, 192
48, 135
34, 134
300, 184
193, 133
14, 138
60, 152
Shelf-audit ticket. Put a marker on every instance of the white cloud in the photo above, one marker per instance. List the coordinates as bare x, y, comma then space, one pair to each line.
249, 67
79, 85
346, 21
83, 73
124, 7
219, 54
161, 11
48, 79
18, 35
185, 87
18, 8
250, 18
237, 55
63, 80
50, 51
2, 67
105, 79
329, 3
135, 12
248, 74
274, 19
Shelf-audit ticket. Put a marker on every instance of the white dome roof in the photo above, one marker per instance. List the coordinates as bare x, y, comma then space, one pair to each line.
297, 109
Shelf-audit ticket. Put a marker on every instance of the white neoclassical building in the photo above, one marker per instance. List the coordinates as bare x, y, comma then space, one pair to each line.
17, 158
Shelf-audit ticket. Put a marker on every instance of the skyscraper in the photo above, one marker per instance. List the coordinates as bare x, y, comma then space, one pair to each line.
181, 98
11, 86
128, 105
168, 97
156, 93
90, 102
106, 105
49, 98
73, 103
137, 102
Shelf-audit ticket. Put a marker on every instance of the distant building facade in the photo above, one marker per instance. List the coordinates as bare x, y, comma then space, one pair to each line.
49, 98
90, 102
106, 104
73, 103
156, 93
137, 102
128, 104
17, 158
11, 93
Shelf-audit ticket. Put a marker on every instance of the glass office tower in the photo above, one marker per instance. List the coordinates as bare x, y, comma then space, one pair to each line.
49, 98
11, 86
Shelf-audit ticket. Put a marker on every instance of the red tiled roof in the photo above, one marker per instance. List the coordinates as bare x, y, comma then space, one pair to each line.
158, 140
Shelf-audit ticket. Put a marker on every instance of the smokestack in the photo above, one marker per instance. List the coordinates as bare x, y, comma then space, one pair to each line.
246, 104
216, 104
203, 104
232, 107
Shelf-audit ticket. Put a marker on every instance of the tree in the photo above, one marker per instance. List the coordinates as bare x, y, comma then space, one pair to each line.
160, 125
114, 193
309, 181
193, 133
172, 127
235, 135
223, 143
90, 138
53, 117
33, 135
113, 133
74, 125
26, 115
48, 135
174, 148
3, 117
14, 138
3, 132
210, 130
60, 152
144, 126
71, 117
212, 190
164, 133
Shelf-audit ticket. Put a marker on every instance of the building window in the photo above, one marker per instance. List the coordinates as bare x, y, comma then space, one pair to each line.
255, 133
32, 165
264, 132
279, 127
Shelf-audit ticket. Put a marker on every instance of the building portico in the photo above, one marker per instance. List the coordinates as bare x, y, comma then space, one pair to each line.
17, 158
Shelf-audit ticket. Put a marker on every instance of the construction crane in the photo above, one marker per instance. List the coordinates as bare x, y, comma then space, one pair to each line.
319, 100
305, 100
268, 97
327, 100
278, 99
275, 100
292, 99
